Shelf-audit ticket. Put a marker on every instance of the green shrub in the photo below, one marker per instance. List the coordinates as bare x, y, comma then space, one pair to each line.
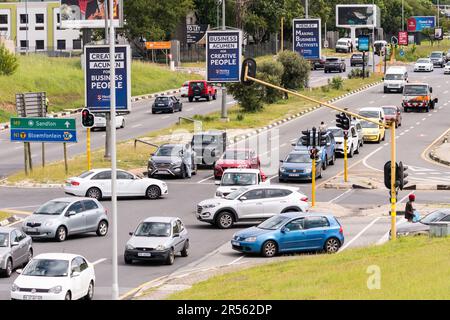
336, 83
296, 70
358, 73
8, 62
240, 117
272, 72
250, 98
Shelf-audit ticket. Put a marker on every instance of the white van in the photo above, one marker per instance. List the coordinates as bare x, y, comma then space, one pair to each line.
395, 79
343, 45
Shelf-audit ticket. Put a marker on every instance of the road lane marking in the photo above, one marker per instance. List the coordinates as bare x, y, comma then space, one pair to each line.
341, 195
423, 119
206, 179
98, 261
417, 123
359, 234
189, 109
423, 155
368, 156
385, 237
371, 102
402, 133
137, 125
165, 117
235, 260
18, 212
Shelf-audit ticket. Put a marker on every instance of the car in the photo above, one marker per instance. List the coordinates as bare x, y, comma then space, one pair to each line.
447, 68
327, 153
298, 166
63, 217
253, 203
417, 96
16, 250
291, 232
233, 179
379, 46
438, 58
375, 113
343, 45
334, 64
357, 123
167, 104
173, 160
157, 238
208, 146
352, 140
423, 64
201, 89
96, 183
392, 114
184, 89
55, 276
317, 63
395, 79
372, 132
236, 158
423, 225
100, 121
357, 59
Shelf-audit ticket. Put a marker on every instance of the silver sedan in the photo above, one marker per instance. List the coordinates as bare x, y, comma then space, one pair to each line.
16, 250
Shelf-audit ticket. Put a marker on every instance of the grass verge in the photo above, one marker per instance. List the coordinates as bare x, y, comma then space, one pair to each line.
4, 215
129, 158
410, 268
412, 53
63, 80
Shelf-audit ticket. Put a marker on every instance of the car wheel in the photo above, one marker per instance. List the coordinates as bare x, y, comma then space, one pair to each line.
224, 220
94, 193
183, 173
61, 234
153, 112
123, 124
153, 192
324, 164
68, 296
90, 293
406, 109
362, 143
9, 268
427, 109
269, 249
215, 96
190, 99
332, 245
184, 252
350, 155
102, 228
320, 174
127, 260
357, 148
170, 258
281, 180
384, 137
208, 98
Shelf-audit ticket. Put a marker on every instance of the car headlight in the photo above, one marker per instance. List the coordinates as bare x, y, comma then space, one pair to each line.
176, 164
211, 205
308, 170
282, 169
219, 193
160, 247
55, 289
48, 223
250, 239
129, 247
14, 288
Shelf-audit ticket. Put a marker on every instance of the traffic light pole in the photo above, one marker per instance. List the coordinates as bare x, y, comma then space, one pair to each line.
345, 158
393, 189
88, 148
313, 181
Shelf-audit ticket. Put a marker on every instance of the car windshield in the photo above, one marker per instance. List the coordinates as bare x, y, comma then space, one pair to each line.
47, 268
205, 139
433, 217
239, 179
236, 155
52, 208
162, 99
4, 237
415, 90
423, 61
342, 43
332, 60
436, 55
357, 56
298, 158
392, 76
337, 132
367, 124
233, 195
85, 174
273, 223
369, 114
168, 151
153, 229
389, 111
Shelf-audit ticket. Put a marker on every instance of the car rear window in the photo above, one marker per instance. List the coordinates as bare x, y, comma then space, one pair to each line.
332, 59
162, 99
85, 174
416, 90
369, 114
197, 84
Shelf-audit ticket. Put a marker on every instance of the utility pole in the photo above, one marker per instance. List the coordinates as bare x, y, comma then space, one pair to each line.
224, 115
26, 32
373, 47
112, 76
403, 15
108, 115
438, 13
282, 34
306, 9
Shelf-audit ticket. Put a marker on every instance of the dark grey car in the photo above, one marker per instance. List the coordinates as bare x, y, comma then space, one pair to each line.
167, 104
16, 250
172, 160
423, 226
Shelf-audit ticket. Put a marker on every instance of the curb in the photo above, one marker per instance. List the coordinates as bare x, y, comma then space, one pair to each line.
4, 126
433, 157
428, 187
8, 221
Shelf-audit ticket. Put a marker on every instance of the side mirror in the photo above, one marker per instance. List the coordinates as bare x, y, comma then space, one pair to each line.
130, 233
382, 78
75, 274
71, 213
176, 235
281, 161
293, 144
436, 100
285, 230
152, 154
217, 183
243, 198
19, 271
14, 244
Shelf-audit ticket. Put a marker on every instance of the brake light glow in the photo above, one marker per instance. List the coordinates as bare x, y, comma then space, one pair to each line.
305, 199
341, 230
74, 183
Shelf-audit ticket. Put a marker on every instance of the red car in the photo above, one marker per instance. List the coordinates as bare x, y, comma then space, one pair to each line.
391, 114
236, 158
200, 89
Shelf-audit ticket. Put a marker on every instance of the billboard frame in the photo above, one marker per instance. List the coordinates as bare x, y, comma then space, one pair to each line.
407, 29
376, 16
91, 24
320, 35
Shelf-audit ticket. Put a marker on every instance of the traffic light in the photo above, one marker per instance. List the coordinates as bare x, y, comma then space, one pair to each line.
401, 175
306, 138
322, 138
387, 175
314, 141
345, 122
251, 71
313, 154
87, 118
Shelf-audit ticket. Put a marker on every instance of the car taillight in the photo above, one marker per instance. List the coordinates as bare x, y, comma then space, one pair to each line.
341, 230
74, 183
106, 211
305, 199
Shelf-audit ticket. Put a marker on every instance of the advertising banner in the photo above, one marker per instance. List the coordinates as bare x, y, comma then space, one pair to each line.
195, 32
307, 37
363, 43
417, 24
97, 80
78, 14
357, 15
438, 34
403, 38
223, 55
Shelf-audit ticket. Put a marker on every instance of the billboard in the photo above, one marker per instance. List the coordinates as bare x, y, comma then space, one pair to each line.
223, 55
357, 15
403, 38
78, 14
418, 23
97, 92
307, 37
438, 34
363, 43
195, 32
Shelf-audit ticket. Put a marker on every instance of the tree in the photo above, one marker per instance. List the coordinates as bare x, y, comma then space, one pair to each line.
250, 98
272, 72
296, 70
8, 62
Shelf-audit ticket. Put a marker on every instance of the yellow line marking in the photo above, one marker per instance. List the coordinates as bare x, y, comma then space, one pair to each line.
135, 290
17, 211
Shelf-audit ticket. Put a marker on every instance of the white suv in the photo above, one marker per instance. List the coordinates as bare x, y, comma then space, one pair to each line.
254, 203
353, 142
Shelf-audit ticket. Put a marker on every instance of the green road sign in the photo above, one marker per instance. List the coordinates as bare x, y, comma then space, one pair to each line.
43, 123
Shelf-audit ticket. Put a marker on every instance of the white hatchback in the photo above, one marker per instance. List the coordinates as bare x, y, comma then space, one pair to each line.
96, 183
55, 276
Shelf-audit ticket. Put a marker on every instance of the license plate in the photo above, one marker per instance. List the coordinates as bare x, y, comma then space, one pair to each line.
144, 254
161, 105
33, 229
26, 297
293, 175
235, 243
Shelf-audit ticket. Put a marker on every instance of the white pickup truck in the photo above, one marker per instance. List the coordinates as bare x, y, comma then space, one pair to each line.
234, 179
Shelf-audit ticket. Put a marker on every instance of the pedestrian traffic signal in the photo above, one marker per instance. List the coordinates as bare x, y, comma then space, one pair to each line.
401, 175
322, 139
87, 118
306, 138
250, 65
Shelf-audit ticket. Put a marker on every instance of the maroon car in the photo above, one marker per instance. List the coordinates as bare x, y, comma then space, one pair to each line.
236, 158
391, 114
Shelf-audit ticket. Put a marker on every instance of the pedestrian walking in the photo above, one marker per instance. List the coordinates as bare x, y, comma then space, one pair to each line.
322, 127
409, 209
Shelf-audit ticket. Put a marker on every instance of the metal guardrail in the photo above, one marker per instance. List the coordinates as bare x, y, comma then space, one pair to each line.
144, 142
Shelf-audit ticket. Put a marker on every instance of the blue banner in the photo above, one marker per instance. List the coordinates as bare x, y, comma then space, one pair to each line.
418, 24
98, 81
223, 55
307, 38
37, 135
363, 43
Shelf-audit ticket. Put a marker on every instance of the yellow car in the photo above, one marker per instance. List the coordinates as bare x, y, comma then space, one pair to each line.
372, 132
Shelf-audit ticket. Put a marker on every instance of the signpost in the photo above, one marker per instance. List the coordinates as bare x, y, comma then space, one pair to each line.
43, 130
307, 37
364, 46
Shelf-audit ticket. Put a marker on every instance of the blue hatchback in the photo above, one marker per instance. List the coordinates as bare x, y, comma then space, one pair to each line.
327, 153
291, 232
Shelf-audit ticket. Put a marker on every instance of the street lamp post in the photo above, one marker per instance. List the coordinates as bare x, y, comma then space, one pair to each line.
26, 31
403, 15
306, 9
224, 112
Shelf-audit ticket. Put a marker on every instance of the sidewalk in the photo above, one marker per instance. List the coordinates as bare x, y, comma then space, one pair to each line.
441, 153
